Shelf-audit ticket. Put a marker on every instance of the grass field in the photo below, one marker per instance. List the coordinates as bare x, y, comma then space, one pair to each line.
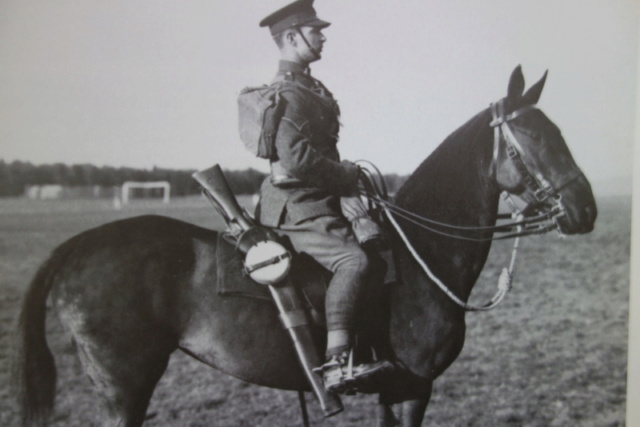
553, 354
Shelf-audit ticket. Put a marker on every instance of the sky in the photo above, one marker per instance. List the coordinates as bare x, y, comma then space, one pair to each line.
155, 82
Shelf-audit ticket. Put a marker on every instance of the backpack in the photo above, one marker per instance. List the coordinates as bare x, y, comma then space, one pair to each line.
259, 112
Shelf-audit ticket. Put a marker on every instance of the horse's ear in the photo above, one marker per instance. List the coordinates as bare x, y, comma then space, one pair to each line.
516, 84
533, 94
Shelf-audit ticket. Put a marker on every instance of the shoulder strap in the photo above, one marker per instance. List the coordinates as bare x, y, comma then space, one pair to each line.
284, 85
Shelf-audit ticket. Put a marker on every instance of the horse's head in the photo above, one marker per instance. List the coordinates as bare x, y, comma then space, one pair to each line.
532, 161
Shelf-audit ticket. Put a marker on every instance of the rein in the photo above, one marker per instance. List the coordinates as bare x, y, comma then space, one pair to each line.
378, 195
541, 189
504, 282
526, 226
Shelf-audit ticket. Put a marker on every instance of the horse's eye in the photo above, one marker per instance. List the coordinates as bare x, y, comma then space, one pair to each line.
533, 134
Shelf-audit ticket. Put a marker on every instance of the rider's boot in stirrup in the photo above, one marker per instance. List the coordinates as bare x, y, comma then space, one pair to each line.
340, 375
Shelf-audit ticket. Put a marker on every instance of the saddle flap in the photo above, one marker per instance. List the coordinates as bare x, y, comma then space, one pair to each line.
310, 278
231, 280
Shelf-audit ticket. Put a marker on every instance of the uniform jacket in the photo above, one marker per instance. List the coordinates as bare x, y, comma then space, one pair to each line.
306, 151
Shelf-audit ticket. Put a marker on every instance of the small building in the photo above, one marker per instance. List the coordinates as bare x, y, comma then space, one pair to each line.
44, 192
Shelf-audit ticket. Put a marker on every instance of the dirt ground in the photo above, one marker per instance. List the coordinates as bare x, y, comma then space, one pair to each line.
553, 354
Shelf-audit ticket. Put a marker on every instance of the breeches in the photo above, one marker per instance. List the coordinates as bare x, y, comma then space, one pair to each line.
331, 243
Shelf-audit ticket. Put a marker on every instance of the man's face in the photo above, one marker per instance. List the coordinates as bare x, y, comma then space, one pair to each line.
316, 40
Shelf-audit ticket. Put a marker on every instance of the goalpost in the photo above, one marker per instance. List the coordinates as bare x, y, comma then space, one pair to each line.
127, 186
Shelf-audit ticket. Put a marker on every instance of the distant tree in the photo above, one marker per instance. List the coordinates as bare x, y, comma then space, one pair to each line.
14, 177
245, 182
106, 176
23, 174
7, 184
181, 183
88, 174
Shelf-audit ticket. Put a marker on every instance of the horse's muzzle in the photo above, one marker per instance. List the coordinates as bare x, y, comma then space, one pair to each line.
580, 211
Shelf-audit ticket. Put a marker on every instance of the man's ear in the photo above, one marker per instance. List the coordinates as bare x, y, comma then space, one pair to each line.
290, 38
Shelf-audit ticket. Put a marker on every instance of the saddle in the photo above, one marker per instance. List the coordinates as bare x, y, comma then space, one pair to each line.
311, 281
309, 277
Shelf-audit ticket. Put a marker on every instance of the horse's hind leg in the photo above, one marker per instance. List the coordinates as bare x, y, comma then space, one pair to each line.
123, 351
124, 380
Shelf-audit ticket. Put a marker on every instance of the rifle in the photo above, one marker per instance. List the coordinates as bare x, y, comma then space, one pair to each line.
217, 190
272, 270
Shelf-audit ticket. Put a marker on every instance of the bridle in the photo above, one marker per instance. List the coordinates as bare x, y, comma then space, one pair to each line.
534, 180
543, 191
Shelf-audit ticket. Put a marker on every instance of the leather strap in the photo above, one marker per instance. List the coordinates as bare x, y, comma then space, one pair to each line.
291, 319
273, 260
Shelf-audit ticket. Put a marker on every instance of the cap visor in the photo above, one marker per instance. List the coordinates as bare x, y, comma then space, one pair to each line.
319, 23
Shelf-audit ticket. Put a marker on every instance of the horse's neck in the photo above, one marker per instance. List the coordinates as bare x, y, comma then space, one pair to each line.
454, 186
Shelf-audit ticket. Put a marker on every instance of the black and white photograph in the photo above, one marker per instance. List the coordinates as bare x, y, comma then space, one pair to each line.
355, 213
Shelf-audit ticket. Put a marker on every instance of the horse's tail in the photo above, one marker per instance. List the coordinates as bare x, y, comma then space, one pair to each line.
35, 372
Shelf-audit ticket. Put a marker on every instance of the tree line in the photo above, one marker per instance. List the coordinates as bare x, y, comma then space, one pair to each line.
16, 176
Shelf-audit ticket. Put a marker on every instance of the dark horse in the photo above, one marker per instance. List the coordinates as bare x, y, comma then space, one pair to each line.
131, 292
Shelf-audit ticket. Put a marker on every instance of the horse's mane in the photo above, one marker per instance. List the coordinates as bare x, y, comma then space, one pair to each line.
450, 165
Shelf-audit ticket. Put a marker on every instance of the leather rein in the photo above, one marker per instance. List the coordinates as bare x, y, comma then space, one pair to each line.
522, 222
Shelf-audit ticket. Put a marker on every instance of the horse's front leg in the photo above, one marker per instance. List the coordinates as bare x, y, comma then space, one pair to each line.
409, 413
413, 412
386, 417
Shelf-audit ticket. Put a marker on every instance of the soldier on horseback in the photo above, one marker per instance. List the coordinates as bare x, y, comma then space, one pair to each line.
302, 197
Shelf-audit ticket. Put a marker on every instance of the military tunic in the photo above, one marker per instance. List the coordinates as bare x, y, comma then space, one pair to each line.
306, 151
305, 205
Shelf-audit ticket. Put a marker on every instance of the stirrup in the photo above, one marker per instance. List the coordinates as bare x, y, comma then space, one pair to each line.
340, 375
